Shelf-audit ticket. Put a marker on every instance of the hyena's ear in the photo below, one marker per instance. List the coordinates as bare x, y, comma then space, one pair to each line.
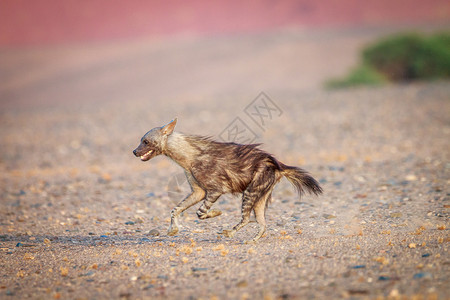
168, 129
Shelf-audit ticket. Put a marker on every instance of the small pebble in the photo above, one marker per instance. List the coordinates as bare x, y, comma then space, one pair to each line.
219, 247
24, 245
28, 256
197, 269
327, 216
90, 273
394, 293
359, 267
154, 232
281, 223
411, 177
323, 180
125, 295
425, 275
395, 215
129, 223
64, 271
242, 284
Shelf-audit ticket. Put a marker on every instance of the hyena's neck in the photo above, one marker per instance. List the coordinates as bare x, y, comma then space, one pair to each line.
179, 149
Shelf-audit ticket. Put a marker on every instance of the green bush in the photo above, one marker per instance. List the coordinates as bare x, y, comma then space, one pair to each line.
401, 58
411, 56
361, 75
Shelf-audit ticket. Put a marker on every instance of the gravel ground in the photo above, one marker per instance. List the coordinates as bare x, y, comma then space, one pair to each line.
82, 218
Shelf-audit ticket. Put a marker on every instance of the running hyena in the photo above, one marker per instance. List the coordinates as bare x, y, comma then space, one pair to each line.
213, 168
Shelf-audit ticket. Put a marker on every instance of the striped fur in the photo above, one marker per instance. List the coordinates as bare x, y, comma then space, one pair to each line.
213, 169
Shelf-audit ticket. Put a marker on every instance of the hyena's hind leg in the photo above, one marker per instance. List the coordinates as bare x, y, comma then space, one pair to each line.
248, 200
254, 198
204, 211
260, 214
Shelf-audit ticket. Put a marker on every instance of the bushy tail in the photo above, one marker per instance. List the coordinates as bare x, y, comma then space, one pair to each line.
301, 180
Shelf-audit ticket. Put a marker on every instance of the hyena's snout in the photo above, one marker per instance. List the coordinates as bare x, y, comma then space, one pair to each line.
137, 152
145, 153
140, 149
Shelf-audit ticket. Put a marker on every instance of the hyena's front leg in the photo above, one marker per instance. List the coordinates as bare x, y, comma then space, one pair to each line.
204, 211
196, 196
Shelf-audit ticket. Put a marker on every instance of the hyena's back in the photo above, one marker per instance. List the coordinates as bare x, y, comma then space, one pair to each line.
231, 167
228, 167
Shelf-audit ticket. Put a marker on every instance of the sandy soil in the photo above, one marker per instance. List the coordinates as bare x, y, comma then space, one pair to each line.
82, 218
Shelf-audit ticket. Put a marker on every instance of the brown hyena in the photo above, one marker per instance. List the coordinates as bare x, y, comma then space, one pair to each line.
213, 168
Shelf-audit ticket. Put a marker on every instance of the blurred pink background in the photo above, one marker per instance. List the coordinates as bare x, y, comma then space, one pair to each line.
37, 22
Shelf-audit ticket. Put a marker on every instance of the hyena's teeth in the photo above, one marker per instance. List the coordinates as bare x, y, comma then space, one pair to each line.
146, 154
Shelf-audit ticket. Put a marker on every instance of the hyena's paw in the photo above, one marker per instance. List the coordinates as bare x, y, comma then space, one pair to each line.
253, 240
257, 237
172, 231
210, 214
228, 233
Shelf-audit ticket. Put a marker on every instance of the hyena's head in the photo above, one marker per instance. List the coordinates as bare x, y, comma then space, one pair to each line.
154, 142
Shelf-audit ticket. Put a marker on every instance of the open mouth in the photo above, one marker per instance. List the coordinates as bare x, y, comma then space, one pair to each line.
146, 156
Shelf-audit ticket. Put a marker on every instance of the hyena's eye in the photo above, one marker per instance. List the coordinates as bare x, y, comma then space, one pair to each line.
145, 142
